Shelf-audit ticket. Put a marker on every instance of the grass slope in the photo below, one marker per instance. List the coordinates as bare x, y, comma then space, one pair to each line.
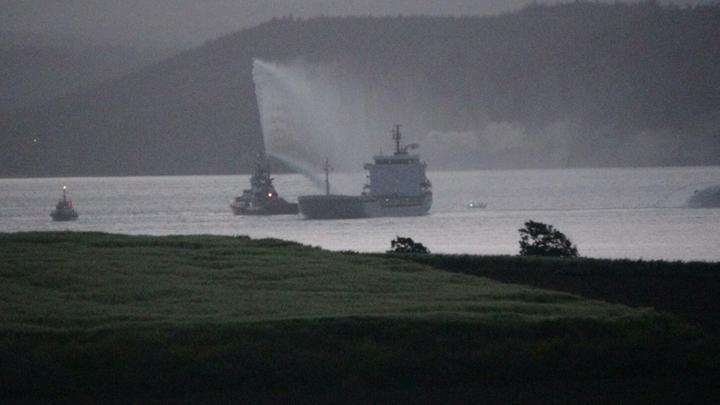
689, 290
90, 315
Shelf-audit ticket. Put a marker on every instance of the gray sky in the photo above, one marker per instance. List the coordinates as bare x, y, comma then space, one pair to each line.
184, 23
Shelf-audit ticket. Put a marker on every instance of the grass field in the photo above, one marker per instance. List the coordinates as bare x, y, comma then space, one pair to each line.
688, 290
89, 316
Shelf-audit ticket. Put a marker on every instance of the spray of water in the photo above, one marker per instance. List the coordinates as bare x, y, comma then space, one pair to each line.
300, 167
311, 112
307, 117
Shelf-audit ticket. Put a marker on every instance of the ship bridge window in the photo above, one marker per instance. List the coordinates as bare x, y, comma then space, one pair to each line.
394, 161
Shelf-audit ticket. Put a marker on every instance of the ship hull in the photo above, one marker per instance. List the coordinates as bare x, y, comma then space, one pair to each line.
331, 206
398, 206
347, 207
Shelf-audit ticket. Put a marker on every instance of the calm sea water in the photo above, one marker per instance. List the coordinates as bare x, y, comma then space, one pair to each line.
609, 213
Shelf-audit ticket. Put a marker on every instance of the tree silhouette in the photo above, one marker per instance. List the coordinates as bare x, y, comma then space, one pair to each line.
538, 239
407, 245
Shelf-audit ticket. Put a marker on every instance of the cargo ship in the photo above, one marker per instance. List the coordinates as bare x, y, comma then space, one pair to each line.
397, 186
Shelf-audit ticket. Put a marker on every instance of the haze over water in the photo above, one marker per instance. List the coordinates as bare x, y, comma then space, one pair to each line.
608, 213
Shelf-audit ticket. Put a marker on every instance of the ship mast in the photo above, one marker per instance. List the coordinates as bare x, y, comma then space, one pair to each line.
396, 137
327, 176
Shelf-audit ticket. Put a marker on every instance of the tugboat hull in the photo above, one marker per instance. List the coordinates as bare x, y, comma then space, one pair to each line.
280, 208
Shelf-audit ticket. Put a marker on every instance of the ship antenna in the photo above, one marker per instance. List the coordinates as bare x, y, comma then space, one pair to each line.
396, 136
327, 176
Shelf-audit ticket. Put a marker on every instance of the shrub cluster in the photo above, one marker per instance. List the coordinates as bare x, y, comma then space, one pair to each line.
407, 245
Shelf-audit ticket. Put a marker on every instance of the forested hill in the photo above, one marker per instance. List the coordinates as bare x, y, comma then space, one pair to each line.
580, 84
34, 73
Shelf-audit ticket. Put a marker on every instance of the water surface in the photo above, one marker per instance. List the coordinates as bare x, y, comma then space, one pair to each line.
608, 213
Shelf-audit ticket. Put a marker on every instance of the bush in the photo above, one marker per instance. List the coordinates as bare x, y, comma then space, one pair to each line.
407, 245
538, 239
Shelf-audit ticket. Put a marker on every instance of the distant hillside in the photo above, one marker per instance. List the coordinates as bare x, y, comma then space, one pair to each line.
35, 68
580, 84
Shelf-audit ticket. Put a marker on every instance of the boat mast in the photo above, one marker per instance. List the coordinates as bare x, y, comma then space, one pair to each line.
64, 194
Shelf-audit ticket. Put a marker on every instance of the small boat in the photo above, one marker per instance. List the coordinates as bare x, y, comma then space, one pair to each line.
64, 210
476, 204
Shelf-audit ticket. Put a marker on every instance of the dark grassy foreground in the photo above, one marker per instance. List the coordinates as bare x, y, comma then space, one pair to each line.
688, 290
96, 317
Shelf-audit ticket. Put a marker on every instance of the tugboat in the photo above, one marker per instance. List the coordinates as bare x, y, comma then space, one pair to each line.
64, 210
397, 187
262, 198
